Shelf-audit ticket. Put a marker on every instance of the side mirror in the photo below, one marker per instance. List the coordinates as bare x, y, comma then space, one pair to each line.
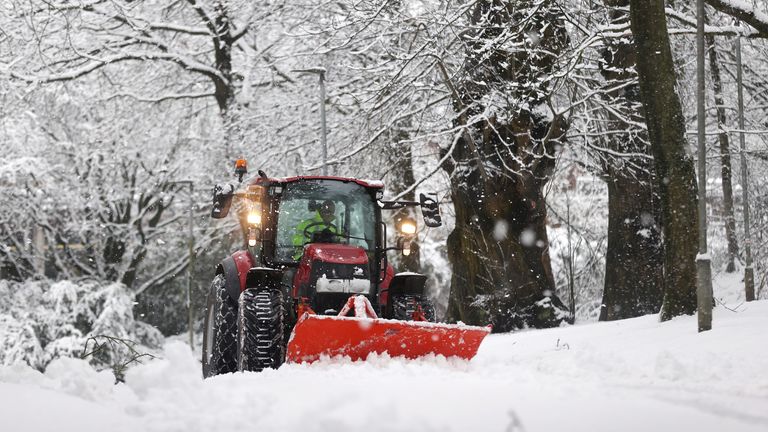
430, 211
222, 200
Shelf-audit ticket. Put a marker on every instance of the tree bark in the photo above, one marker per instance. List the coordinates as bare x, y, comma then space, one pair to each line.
674, 167
224, 89
402, 178
726, 173
499, 249
634, 213
634, 249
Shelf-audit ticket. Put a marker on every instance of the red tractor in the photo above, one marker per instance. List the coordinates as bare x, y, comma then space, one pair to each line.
317, 251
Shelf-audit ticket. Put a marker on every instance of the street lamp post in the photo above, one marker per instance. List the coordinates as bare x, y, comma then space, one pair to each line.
749, 275
703, 264
191, 240
321, 73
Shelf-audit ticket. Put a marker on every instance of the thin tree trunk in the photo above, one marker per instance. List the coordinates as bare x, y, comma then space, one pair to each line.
674, 167
725, 157
224, 88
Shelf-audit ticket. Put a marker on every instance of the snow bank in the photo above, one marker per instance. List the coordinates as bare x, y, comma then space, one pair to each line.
631, 375
70, 396
41, 321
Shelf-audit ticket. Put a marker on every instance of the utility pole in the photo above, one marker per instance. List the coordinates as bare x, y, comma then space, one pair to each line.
749, 276
191, 245
703, 264
321, 73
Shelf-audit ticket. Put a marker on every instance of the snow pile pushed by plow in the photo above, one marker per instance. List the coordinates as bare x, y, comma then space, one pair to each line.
632, 375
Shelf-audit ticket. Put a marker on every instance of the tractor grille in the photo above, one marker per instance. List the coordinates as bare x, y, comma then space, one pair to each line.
351, 277
339, 271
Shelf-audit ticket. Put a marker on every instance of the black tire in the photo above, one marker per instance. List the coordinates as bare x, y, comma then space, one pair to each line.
403, 307
260, 328
219, 331
289, 316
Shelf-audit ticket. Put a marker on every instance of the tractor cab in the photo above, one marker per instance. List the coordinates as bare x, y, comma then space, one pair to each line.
324, 238
323, 232
313, 211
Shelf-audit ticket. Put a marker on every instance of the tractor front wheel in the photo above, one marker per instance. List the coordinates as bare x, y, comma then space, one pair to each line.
260, 330
219, 331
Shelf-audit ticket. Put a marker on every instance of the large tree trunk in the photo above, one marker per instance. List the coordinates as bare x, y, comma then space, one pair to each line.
499, 249
725, 157
674, 167
634, 214
634, 258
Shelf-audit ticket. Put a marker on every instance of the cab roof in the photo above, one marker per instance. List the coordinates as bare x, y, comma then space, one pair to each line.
373, 184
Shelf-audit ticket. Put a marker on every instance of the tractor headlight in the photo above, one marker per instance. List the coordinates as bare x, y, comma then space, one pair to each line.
407, 227
254, 217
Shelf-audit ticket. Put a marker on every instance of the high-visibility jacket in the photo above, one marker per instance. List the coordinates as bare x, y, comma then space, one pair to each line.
299, 238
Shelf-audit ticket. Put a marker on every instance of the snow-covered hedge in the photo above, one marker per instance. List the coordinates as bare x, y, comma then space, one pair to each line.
44, 320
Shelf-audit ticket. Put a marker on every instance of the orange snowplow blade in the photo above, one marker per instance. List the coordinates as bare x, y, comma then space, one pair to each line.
316, 335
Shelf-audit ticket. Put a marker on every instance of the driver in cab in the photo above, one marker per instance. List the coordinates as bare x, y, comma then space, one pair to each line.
321, 223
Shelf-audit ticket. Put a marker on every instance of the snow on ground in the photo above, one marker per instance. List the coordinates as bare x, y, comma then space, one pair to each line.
631, 375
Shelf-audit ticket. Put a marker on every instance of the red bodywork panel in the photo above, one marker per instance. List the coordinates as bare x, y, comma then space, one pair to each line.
326, 252
244, 261
384, 286
315, 336
335, 253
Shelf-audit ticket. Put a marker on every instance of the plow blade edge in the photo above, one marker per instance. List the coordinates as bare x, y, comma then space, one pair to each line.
315, 336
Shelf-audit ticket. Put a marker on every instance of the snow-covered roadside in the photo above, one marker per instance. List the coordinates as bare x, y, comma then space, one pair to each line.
632, 375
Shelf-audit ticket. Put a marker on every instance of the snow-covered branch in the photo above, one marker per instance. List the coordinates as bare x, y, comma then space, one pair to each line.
744, 11
690, 22
161, 98
99, 63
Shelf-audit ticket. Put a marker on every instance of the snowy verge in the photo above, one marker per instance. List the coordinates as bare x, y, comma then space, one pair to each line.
631, 375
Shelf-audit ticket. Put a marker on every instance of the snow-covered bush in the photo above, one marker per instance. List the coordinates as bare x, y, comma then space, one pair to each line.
44, 320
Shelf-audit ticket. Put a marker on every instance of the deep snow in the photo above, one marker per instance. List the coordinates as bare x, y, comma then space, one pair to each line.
631, 375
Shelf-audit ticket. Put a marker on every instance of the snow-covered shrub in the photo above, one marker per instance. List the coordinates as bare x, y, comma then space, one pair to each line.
44, 320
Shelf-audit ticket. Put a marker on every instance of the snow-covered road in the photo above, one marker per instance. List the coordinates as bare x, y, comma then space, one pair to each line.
632, 375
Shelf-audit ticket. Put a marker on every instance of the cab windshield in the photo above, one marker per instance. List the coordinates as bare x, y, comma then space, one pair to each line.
352, 221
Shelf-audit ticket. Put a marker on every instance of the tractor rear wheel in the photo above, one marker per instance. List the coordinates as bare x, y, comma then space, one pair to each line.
219, 331
260, 330
404, 306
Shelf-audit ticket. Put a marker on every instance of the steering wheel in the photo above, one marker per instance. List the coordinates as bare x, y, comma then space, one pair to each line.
328, 225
